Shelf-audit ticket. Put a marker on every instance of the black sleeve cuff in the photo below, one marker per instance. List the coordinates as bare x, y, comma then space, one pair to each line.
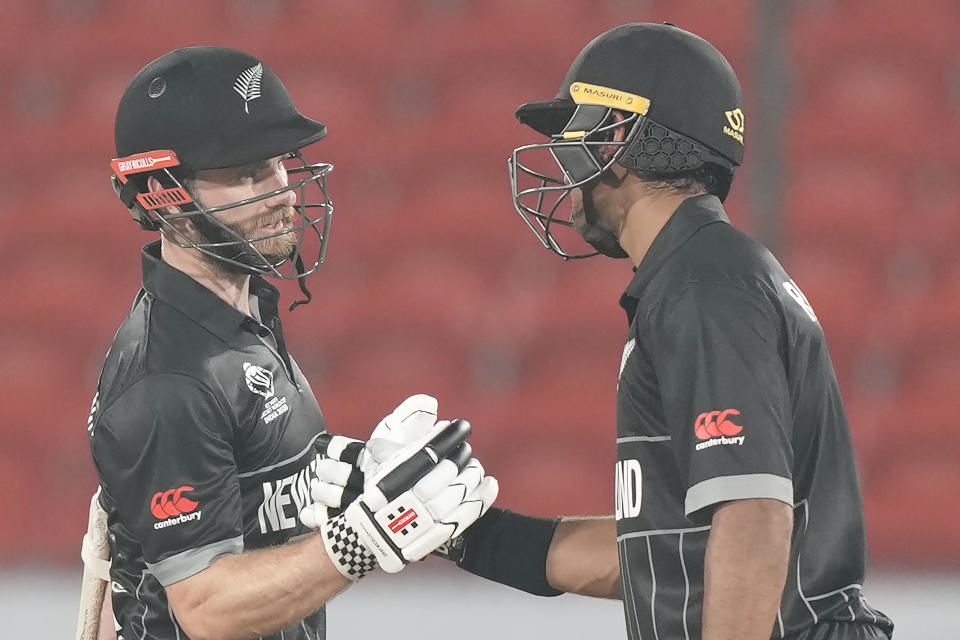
511, 549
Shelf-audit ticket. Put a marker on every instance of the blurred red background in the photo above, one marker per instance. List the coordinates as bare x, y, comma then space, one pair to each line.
433, 285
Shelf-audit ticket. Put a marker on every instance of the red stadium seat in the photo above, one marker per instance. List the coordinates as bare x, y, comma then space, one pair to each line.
909, 519
924, 325
820, 34
583, 304
869, 416
844, 293
432, 292
433, 285
844, 135
570, 387
557, 425
369, 372
36, 366
65, 479
502, 32
341, 294
541, 474
18, 496
460, 214
852, 207
933, 203
72, 212
475, 113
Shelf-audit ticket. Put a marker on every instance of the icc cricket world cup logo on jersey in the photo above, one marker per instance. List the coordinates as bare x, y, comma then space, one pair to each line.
259, 380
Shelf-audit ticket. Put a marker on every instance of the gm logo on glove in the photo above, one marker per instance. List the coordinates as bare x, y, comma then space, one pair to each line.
404, 518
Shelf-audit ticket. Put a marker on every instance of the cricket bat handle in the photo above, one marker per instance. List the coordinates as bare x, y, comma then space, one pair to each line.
95, 552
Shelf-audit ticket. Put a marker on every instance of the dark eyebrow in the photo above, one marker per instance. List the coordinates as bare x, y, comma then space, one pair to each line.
252, 168
256, 166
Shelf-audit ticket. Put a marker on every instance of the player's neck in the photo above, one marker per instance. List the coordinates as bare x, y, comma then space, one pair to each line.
644, 220
232, 288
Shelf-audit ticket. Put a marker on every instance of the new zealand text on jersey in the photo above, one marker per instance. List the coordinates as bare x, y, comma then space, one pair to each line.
629, 489
283, 499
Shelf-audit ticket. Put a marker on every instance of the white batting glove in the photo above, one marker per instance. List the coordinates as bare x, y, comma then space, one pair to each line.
421, 488
413, 421
422, 496
348, 460
437, 508
341, 463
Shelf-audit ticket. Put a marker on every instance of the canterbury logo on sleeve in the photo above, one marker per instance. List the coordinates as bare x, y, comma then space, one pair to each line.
716, 428
172, 507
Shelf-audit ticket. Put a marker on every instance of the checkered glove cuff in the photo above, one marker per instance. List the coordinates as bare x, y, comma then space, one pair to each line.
346, 552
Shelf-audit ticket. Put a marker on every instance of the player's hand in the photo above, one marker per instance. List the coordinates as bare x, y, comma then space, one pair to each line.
411, 422
341, 463
412, 505
346, 459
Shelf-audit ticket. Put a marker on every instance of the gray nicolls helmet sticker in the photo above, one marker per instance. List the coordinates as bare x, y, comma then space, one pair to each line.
248, 85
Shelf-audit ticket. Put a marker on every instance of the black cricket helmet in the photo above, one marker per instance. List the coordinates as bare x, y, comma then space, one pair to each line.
649, 97
201, 108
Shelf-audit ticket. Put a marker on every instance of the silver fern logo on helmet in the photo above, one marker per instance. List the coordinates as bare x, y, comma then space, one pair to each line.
259, 380
248, 85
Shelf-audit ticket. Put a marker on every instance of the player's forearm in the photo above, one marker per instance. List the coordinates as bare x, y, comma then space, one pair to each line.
583, 557
253, 594
745, 570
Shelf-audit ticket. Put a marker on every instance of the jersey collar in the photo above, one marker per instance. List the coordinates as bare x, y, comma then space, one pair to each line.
692, 215
198, 303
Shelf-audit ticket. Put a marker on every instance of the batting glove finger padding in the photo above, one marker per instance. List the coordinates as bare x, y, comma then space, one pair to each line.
341, 448
418, 500
414, 417
341, 467
443, 473
336, 472
456, 518
420, 488
328, 490
407, 529
339, 483
407, 466
443, 498
342, 463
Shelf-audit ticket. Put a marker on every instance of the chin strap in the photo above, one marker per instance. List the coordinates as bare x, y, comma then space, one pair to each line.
302, 281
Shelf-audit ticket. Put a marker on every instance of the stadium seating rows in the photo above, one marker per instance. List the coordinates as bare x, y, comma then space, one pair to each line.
432, 284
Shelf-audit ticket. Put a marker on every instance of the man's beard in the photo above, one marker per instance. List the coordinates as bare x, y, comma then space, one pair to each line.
592, 230
277, 247
243, 247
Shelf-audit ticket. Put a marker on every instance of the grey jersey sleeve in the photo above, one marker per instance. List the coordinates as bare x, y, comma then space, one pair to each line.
164, 453
716, 351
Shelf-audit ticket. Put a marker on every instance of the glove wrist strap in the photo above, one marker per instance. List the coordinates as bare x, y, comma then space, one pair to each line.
345, 550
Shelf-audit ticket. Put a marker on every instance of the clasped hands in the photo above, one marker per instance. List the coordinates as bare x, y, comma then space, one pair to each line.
409, 490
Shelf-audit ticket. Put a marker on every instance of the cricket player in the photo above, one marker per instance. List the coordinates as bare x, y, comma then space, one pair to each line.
204, 432
738, 513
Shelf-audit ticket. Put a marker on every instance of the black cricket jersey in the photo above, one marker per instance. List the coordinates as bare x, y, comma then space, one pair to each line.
727, 392
204, 435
